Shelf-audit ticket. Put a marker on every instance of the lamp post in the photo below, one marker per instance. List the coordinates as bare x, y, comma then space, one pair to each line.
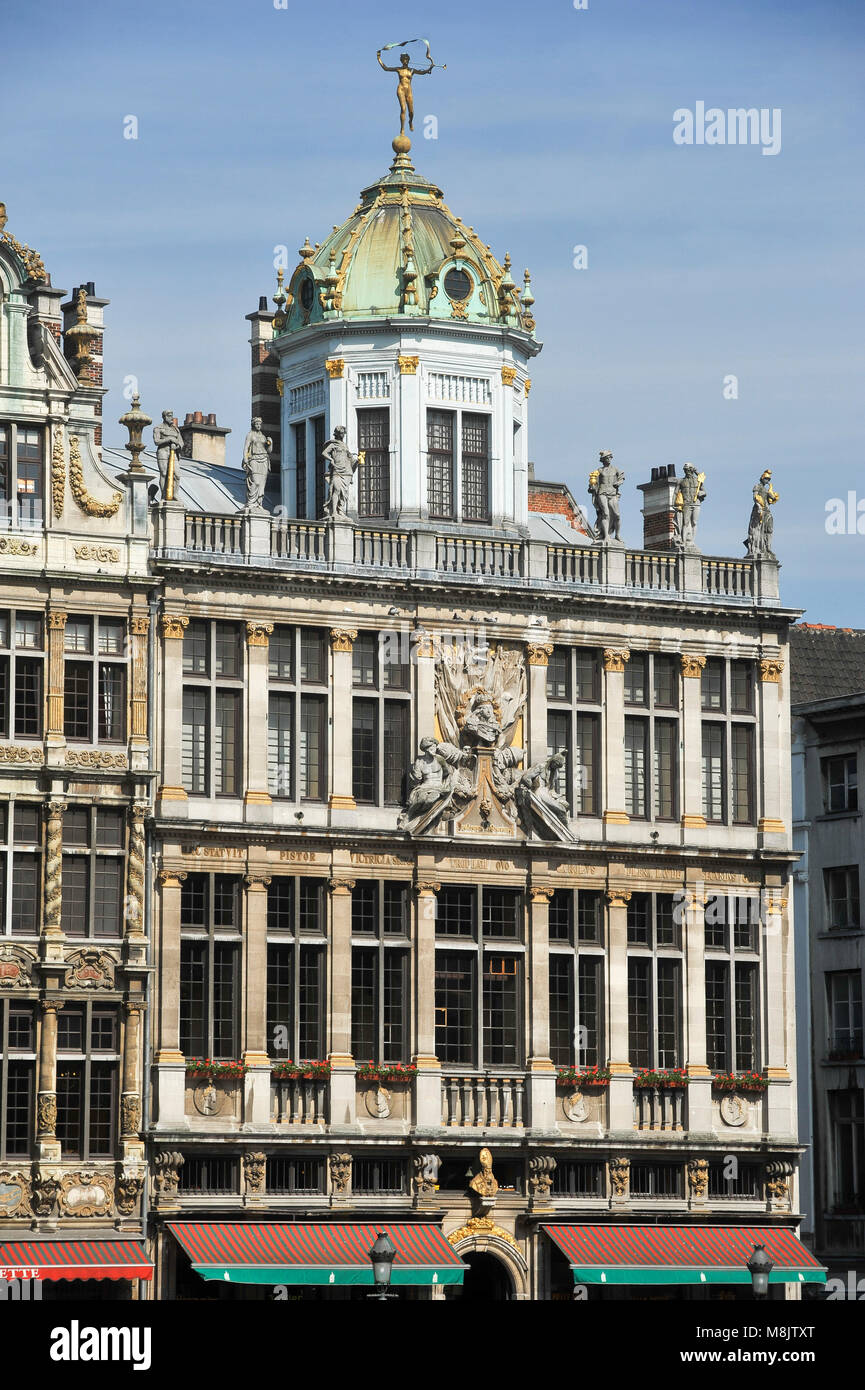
759, 1267
382, 1257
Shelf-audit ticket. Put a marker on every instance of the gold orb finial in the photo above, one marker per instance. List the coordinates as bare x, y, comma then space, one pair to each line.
401, 145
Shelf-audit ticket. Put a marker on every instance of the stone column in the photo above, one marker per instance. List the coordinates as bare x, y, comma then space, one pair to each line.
692, 743
341, 794
256, 794
342, 1090
169, 1060
171, 794
614, 736
428, 1099
780, 1112
54, 735
542, 1072
425, 702
130, 1100
136, 936
621, 1114
256, 1043
770, 821
52, 928
46, 1105
699, 1095
409, 493
140, 628
537, 657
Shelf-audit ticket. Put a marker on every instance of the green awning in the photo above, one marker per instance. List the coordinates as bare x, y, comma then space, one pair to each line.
332, 1252
613, 1254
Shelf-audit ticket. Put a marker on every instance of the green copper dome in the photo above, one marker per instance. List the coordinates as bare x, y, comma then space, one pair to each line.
403, 252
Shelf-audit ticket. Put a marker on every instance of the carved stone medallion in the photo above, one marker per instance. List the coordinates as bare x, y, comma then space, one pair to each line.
86, 1194
209, 1099
734, 1110
575, 1107
377, 1102
14, 1188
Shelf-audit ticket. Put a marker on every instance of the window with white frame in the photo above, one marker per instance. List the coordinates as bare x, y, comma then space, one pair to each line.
212, 717
22, 674
297, 713
458, 465
652, 737
576, 966
732, 972
655, 969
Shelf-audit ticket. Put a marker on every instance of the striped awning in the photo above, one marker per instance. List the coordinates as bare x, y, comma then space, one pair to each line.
333, 1252
682, 1254
73, 1259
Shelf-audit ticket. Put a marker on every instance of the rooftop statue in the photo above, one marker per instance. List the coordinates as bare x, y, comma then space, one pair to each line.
168, 441
405, 72
761, 524
690, 496
256, 464
342, 466
604, 486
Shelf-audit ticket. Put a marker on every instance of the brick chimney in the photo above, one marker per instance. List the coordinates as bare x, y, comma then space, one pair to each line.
659, 508
87, 367
266, 400
203, 439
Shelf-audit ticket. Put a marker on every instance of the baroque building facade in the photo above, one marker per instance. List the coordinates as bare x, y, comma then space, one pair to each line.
468, 874
75, 786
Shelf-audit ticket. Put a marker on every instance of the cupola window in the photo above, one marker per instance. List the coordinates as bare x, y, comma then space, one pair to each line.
307, 294
458, 285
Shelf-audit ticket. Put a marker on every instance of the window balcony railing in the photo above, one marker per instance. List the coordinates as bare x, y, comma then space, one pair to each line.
660, 1108
485, 1101
297, 1100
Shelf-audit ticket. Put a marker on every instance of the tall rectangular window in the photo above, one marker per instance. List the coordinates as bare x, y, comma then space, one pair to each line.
228, 753
212, 732
364, 750
318, 443
573, 681
440, 464
666, 748
299, 436
844, 1009
636, 747
455, 1007
713, 772
17, 1078
476, 467
88, 1064
840, 783
210, 990
280, 728
847, 1112
373, 440
501, 1010
842, 897
313, 748
194, 737
381, 749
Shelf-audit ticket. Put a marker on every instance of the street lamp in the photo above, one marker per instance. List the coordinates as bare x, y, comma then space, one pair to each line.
382, 1256
759, 1267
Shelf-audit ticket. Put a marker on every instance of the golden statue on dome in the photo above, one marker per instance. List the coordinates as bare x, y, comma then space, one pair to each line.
405, 72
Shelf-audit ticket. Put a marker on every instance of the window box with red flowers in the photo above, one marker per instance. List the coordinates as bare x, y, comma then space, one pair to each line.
675, 1079
391, 1072
300, 1071
221, 1071
739, 1081
583, 1079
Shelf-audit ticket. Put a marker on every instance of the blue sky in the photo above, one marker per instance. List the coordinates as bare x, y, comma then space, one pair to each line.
258, 126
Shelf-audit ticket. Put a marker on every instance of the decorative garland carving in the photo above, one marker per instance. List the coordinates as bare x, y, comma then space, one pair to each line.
698, 1176
481, 1226
92, 757
13, 753
58, 474
105, 554
10, 545
88, 504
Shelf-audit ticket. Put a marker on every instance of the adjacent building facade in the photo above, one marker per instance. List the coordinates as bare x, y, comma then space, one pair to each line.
828, 680
466, 889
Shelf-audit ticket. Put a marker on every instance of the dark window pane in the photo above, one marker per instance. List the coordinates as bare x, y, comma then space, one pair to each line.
194, 739
280, 656
639, 1018
502, 913
195, 648
280, 733
228, 753
666, 769
713, 772
712, 684
299, 437
440, 463
590, 1034
501, 1010
313, 656
590, 908
311, 1003
226, 650
112, 702
669, 1013
76, 826
109, 829
558, 674
396, 750
588, 735
640, 920
717, 1016
636, 788
101, 1129
112, 637
561, 914
588, 678
76, 699
637, 679
395, 1001
19, 1107
78, 635
311, 905
193, 999
226, 915
455, 912
561, 1009
226, 960
746, 1017
70, 1108
193, 901
75, 916
742, 687
28, 697
313, 744
364, 1001
364, 760
396, 909
280, 904
280, 1000
666, 682
364, 659
476, 467
742, 755
373, 485
455, 1007
364, 909
26, 877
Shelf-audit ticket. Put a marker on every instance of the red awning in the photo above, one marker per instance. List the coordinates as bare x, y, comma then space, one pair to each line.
682, 1254
73, 1259
333, 1252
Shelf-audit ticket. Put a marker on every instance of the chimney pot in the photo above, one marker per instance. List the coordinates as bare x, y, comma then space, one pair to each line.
188, 420
91, 289
211, 419
198, 418
262, 304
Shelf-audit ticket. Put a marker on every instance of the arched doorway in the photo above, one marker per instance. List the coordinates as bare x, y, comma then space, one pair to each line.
486, 1280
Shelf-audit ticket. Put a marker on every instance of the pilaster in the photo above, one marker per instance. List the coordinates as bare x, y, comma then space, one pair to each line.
770, 821
256, 1044
47, 1144
341, 794
542, 1072
692, 743
342, 1087
54, 735
171, 1079
171, 795
614, 737
428, 1104
257, 796
537, 658
621, 1115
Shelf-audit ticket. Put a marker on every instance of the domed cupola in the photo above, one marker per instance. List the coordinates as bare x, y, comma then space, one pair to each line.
402, 251
402, 327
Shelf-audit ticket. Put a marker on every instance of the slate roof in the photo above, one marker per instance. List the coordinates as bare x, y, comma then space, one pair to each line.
826, 663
